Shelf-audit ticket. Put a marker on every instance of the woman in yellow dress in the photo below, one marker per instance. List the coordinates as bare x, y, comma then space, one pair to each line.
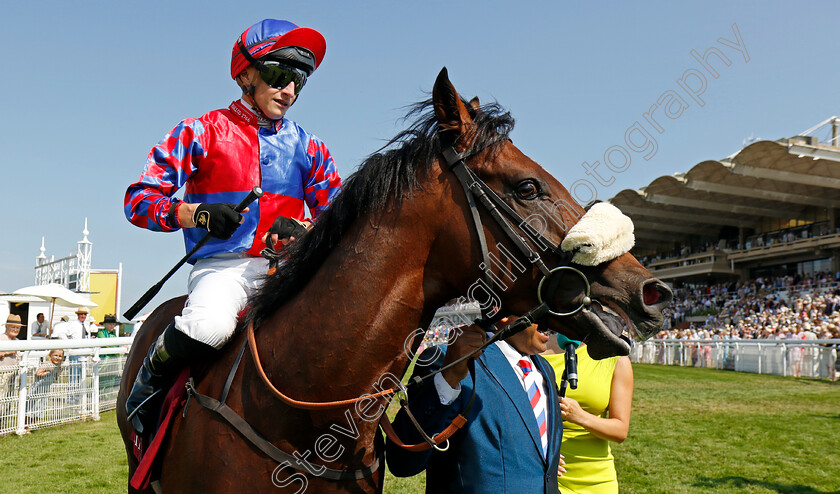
594, 414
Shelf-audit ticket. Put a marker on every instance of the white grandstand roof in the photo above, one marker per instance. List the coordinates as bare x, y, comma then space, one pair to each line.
784, 179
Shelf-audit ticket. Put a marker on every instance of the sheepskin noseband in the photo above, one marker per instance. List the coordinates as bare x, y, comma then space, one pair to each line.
601, 235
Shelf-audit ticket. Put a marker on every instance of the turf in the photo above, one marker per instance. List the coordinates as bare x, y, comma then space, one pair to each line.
692, 431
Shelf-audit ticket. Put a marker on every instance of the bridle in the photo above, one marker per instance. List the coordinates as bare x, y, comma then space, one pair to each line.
502, 214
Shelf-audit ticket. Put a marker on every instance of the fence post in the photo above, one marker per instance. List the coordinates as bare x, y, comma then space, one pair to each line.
783, 347
21, 411
97, 363
83, 362
759, 357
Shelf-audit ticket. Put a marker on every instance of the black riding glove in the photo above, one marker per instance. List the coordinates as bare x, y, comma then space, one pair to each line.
219, 219
285, 227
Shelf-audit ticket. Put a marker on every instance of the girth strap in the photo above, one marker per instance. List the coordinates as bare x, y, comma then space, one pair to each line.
270, 450
254, 437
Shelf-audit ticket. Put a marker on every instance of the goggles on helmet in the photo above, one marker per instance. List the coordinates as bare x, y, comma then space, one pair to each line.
279, 75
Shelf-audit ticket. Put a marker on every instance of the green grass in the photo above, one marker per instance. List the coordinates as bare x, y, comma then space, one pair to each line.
75, 458
692, 431
702, 430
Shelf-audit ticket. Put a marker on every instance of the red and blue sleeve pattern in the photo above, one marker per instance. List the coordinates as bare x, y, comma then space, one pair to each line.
323, 182
149, 202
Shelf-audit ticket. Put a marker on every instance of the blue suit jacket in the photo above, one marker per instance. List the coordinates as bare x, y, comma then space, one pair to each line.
498, 450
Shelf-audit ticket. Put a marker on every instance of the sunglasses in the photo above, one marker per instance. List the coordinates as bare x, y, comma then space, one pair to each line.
278, 75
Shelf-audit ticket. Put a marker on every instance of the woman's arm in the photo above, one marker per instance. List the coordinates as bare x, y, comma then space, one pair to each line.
616, 426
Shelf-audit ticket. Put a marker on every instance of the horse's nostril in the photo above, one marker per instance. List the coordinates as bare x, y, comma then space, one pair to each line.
655, 292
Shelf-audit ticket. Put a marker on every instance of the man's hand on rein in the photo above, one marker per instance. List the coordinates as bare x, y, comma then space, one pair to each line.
470, 340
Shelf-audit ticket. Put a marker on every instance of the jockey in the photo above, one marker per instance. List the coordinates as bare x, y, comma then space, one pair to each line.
218, 158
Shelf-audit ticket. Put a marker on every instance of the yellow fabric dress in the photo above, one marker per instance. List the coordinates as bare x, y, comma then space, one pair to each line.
589, 462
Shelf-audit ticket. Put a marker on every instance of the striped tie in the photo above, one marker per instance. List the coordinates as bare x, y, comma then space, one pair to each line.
538, 406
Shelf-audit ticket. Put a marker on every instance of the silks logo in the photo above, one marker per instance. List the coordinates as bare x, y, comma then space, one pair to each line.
202, 219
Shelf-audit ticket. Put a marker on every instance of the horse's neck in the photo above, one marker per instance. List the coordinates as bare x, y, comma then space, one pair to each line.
350, 323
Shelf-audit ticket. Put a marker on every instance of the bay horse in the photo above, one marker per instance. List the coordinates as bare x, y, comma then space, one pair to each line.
397, 243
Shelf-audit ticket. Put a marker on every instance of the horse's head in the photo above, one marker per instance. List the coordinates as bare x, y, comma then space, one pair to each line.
625, 300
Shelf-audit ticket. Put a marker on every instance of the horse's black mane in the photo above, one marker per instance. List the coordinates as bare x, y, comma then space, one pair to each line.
386, 176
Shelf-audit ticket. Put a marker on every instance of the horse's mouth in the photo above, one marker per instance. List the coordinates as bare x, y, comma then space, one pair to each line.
611, 330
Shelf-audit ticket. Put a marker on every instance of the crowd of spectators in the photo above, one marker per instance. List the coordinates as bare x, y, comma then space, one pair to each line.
763, 307
789, 307
786, 235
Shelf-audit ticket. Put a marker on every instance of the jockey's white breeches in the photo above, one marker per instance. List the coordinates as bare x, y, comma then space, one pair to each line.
219, 288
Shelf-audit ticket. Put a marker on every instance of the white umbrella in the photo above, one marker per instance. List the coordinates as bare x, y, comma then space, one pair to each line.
56, 294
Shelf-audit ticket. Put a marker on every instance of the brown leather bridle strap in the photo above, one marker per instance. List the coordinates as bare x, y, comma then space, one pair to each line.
435, 440
305, 405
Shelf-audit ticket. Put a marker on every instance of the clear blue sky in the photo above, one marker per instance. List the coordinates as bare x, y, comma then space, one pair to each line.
89, 87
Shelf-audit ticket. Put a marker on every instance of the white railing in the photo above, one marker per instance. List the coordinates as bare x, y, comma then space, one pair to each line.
798, 358
86, 384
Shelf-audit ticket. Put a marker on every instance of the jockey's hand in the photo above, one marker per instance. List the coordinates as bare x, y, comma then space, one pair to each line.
219, 219
470, 339
284, 230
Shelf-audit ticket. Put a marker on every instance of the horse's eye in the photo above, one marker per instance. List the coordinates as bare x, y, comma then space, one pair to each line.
528, 189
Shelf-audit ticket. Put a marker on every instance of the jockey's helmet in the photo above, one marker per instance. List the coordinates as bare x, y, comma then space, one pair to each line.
279, 41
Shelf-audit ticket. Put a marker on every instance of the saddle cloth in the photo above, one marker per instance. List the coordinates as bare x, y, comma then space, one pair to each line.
147, 452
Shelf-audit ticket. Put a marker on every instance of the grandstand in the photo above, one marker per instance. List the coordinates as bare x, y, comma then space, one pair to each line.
753, 234
768, 210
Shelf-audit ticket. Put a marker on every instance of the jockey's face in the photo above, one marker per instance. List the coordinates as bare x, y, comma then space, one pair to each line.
273, 102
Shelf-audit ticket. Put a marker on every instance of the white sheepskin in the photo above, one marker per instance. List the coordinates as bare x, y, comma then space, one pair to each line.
601, 235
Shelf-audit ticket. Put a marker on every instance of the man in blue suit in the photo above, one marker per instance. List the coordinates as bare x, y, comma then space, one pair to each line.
501, 448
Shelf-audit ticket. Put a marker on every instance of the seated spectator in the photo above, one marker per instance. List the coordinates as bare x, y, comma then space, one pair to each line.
40, 328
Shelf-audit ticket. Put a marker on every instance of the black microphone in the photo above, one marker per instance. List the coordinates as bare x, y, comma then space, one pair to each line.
570, 374
527, 319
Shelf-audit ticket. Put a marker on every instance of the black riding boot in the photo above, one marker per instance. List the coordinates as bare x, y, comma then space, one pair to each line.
171, 352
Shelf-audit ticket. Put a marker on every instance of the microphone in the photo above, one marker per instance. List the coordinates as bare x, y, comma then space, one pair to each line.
570, 374
525, 320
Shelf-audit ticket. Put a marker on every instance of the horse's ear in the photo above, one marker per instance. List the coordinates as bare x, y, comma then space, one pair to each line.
451, 113
475, 104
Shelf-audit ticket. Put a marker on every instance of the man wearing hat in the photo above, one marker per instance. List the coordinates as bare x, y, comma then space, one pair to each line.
74, 330
218, 158
9, 360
